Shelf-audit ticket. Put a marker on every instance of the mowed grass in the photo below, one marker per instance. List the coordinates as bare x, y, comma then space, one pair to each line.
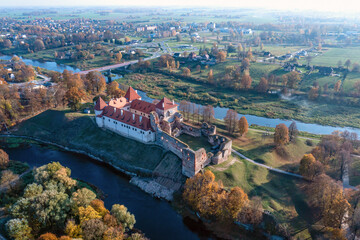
331, 56
261, 148
279, 50
281, 195
309, 80
78, 131
349, 82
195, 143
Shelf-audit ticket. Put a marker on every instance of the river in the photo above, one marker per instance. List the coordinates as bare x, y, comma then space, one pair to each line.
156, 218
220, 112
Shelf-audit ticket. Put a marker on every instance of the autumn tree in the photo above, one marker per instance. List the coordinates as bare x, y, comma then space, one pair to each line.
211, 76
313, 93
93, 229
243, 126
186, 72
263, 85
221, 56
19, 229
328, 196
337, 86
74, 96
306, 168
208, 113
281, 135
245, 64
246, 81
95, 82
118, 56
113, 90
252, 212
47, 236
123, 216
293, 132
4, 159
293, 79
39, 45
231, 119
235, 201
7, 178
127, 39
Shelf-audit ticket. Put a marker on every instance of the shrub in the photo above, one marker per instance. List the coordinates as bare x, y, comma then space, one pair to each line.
48, 236
309, 142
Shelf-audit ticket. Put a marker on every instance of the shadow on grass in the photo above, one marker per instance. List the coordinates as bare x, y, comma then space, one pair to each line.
284, 196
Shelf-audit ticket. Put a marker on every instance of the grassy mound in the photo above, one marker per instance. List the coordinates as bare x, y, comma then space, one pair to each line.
79, 131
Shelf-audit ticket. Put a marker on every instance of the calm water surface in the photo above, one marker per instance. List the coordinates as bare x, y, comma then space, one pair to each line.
156, 218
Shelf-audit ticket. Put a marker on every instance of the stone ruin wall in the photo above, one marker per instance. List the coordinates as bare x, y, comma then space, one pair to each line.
192, 161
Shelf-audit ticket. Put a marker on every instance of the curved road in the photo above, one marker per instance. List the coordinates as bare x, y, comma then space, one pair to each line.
100, 69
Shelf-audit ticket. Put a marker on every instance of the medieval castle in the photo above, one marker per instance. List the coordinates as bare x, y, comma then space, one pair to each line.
161, 124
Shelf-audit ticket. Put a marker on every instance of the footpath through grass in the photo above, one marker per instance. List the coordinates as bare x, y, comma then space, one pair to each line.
281, 195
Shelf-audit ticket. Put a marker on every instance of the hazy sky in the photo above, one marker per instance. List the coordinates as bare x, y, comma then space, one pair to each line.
317, 5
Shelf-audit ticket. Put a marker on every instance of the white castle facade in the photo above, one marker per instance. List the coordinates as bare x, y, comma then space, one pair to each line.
130, 116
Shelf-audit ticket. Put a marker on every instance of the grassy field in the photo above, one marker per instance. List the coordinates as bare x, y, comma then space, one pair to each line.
331, 56
79, 131
279, 50
281, 195
262, 149
350, 80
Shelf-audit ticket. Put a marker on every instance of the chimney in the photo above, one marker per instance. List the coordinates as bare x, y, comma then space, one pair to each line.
136, 91
140, 118
121, 112
114, 110
173, 102
163, 105
134, 116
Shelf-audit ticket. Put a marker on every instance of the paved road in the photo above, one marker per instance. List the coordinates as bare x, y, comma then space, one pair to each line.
266, 166
100, 69
44, 80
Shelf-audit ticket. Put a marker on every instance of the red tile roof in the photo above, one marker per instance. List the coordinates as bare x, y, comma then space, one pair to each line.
128, 118
118, 102
100, 104
165, 104
131, 94
142, 106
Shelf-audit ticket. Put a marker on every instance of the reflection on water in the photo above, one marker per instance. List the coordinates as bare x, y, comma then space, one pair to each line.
154, 217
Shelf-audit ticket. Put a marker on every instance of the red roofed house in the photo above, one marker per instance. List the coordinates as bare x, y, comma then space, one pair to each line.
130, 116
131, 95
166, 108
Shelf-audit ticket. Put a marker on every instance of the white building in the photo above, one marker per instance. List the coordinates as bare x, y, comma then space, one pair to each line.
130, 116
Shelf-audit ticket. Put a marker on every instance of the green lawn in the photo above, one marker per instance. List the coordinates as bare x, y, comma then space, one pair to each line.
79, 131
331, 56
350, 80
195, 143
262, 149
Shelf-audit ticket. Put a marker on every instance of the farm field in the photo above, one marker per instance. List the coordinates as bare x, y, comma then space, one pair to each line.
331, 56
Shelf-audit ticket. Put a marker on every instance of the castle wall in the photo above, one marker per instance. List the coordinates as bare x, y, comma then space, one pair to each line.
127, 130
190, 130
223, 153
